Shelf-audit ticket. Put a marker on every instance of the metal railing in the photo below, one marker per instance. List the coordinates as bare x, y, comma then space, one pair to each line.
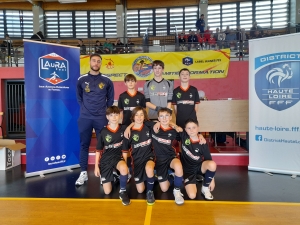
14, 56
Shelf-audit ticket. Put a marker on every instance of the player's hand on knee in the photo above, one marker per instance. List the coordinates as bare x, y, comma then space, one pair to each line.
212, 185
97, 171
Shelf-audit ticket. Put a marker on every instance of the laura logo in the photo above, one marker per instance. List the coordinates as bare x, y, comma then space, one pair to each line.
53, 68
136, 137
110, 64
101, 85
187, 142
277, 85
187, 61
142, 66
258, 137
178, 95
108, 138
126, 101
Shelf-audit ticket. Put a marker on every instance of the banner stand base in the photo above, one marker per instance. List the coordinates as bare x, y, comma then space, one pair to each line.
43, 172
268, 170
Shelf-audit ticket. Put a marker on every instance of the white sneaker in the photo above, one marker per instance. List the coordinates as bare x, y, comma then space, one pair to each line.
206, 193
179, 200
82, 178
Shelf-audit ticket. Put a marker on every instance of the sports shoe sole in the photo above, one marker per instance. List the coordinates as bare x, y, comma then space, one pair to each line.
179, 204
123, 202
207, 199
148, 203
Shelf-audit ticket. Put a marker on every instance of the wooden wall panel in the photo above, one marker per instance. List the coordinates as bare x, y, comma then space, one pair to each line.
140, 4
17, 6
90, 5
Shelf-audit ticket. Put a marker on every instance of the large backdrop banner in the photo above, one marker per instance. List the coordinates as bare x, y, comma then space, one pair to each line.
274, 110
52, 139
202, 64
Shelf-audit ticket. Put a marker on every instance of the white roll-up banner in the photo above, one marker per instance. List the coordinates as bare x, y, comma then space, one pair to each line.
274, 107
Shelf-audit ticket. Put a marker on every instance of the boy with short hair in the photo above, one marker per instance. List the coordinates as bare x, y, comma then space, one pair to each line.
185, 99
130, 99
110, 155
166, 156
158, 91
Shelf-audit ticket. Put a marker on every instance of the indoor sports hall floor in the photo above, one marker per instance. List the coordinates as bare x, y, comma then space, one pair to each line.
240, 197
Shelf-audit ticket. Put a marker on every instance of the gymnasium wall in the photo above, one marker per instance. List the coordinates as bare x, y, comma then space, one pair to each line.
235, 85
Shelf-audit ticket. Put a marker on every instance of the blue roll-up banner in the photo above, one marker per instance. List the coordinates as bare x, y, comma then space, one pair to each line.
52, 138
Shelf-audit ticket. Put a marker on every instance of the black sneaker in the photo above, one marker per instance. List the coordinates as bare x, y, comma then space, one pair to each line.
150, 198
124, 197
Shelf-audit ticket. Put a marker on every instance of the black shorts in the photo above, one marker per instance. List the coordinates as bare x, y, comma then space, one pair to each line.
162, 165
107, 166
139, 170
190, 178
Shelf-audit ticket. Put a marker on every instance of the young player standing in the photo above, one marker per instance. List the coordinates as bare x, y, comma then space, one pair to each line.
158, 91
109, 154
185, 99
129, 99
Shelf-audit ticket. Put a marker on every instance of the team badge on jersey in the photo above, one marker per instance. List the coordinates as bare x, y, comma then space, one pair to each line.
87, 87
126, 101
191, 95
147, 133
137, 101
136, 137
169, 135
108, 138
197, 150
101, 85
152, 87
178, 95
187, 142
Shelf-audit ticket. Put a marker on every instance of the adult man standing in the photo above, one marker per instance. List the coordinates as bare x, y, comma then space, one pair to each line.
95, 92
158, 91
200, 24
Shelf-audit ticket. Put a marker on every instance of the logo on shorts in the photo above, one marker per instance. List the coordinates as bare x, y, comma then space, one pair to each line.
187, 142
277, 82
142, 66
159, 178
103, 179
178, 95
136, 137
186, 180
108, 138
101, 85
136, 179
126, 101
53, 68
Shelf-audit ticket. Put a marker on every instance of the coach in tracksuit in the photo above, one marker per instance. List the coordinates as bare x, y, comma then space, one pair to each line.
95, 92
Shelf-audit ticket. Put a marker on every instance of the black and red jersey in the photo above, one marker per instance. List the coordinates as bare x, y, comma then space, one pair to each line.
163, 141
192, 153
185, 100
128, 102
110, 142
141, 143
